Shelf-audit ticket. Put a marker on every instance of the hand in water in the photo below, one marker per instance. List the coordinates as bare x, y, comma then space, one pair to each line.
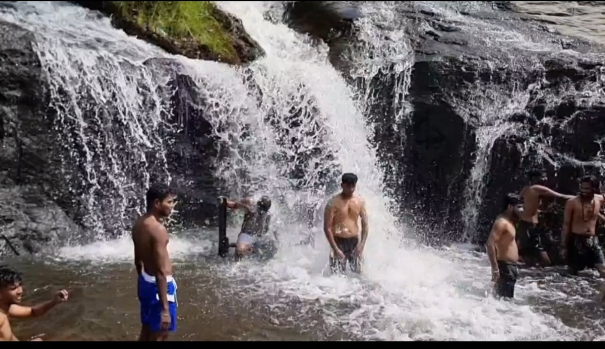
495, 275
61, 296
165, 320
358, 250
338, 254
563, 252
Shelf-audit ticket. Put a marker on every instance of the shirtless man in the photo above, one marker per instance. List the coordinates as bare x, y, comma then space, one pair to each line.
255, 227
502, 249
579, 245
341, 227
529, 234
11, 292
156, 286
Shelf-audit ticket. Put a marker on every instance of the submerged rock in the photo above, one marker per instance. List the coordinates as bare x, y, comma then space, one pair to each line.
195, 29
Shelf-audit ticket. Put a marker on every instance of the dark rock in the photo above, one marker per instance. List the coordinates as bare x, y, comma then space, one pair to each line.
29, 175
468, 83
31, 222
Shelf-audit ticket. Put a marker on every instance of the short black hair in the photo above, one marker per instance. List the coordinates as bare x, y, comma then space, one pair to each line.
531, 174
157, 191
349, 178
264, 203
594, 182
9, 276
510, 199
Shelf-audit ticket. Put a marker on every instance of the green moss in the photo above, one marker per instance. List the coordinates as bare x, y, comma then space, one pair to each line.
181, 20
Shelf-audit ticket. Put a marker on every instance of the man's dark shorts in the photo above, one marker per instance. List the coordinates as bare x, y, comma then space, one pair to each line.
505, 286
530, 238
583, 252
347, 246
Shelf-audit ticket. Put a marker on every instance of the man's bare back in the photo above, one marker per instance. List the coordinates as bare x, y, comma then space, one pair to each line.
346, 213
149, 235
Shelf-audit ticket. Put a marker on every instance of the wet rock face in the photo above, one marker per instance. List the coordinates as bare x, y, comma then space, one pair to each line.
39, 205
29, 171
491, 88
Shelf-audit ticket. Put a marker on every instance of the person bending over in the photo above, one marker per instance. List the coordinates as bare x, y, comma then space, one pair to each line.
252, 237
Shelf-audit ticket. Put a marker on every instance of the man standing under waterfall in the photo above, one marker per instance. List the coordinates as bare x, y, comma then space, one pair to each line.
579, 229
502, 249
156, 286
530, 235
341, 226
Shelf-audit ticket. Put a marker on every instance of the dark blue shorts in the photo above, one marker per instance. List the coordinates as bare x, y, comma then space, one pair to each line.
151, 307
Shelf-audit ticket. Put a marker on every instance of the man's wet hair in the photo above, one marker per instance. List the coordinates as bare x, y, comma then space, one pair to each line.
9, 277
349, 178
594, 182
264, 203
510, 199
157, 191
535, 173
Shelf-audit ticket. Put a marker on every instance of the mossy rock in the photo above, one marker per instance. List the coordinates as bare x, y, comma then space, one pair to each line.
195, 29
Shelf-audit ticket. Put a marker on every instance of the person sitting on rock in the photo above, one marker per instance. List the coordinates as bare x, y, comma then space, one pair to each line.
11, 292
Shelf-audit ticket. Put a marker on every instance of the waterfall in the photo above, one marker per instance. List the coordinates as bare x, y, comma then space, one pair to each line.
287, 125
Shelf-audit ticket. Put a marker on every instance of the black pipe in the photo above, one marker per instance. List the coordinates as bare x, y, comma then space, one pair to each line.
10, 245
223, 240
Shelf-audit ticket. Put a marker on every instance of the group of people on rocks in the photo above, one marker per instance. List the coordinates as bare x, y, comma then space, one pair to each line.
518, 235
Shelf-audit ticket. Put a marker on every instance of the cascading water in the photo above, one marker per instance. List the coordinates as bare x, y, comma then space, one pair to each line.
290, 105
107, 110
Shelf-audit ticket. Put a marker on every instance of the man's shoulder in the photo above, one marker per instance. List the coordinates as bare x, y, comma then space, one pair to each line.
503, 223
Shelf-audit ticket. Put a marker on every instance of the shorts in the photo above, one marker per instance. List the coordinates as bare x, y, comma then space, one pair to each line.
347, 246
151, 307
583, 252
505, 286
530, 237
262, 247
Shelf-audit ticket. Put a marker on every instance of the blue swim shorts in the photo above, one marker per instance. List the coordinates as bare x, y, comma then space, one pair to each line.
151, 307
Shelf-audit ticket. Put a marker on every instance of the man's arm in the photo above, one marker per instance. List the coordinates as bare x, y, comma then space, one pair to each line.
138, 262
162, 262
17, 311
328, 223
494, 236
547, 192
567, 218
364, 223
244, 204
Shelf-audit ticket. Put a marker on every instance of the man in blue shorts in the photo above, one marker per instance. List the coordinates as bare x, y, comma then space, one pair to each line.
156, 286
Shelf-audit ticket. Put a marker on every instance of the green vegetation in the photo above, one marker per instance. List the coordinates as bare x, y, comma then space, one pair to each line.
184, 21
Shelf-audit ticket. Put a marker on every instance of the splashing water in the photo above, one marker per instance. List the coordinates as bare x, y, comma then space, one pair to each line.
288, 106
